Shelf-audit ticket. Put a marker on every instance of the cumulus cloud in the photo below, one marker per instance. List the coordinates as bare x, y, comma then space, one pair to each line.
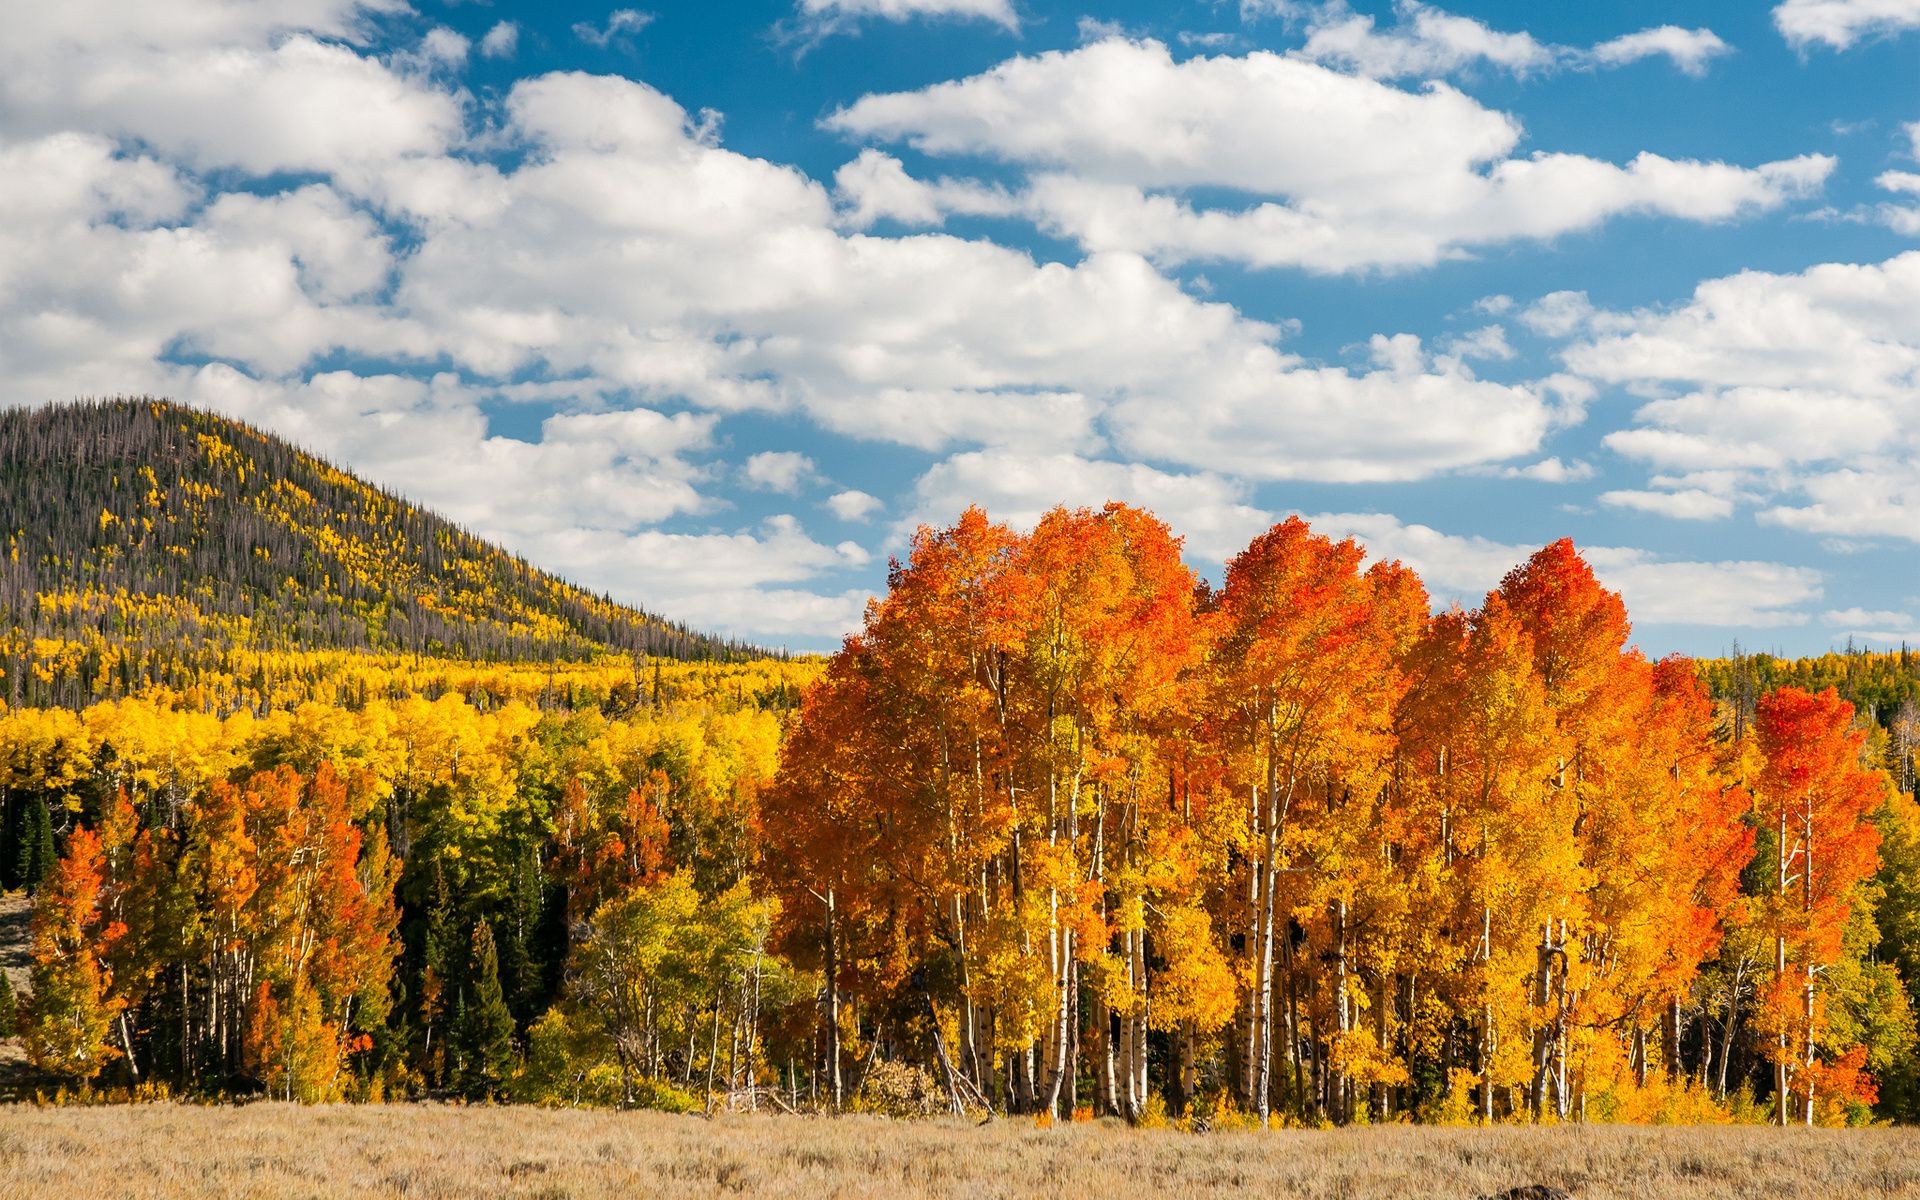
1547, 470
1425, 42
500, 41
1854, 618
854, 505
1488, 342
1211, 512
1686, 504
1657, 590
778, 471
1840, 24
1341, 173
1690, 50
876, 187
1795, 388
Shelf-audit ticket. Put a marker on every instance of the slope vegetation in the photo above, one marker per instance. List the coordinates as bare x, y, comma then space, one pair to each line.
146, 543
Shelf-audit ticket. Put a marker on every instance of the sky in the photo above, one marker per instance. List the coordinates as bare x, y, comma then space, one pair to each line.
709, 303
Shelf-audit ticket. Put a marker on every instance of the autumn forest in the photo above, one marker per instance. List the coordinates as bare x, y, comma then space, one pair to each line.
314, 797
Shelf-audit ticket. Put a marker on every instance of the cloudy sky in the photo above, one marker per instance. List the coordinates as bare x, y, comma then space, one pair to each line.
709, 303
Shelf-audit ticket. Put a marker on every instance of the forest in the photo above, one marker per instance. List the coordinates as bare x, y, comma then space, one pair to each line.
1063, 831
150, 544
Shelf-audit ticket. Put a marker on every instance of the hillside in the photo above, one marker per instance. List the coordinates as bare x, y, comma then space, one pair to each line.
151, 544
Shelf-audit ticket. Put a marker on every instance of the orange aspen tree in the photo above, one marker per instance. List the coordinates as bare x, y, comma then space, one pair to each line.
1306, 676
69, 1017
1481, 759
1114, 634
1816, 801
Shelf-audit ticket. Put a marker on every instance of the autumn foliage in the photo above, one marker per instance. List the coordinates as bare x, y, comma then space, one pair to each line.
1082, 830
1063, 830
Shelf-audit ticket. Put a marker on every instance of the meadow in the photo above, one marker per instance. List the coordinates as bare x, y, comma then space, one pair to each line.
270, 1151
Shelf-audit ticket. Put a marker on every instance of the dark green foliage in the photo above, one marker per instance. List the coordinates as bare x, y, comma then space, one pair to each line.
34, 853
526, 940
482, 1049
12, 812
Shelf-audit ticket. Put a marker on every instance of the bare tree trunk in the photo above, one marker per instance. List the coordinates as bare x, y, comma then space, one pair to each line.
836, 1093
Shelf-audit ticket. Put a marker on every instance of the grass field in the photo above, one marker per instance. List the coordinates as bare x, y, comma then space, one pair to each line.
270, 1151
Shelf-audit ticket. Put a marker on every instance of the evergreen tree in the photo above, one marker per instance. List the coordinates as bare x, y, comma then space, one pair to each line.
483, 1027
438, 968
12, 811
521, 976
35, 856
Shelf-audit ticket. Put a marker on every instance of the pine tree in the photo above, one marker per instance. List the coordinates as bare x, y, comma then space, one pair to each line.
36, 855
483, 1027
11, 809
520, 967
439, 957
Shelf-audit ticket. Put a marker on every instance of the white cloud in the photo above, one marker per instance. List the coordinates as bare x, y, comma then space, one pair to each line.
1211, 512
1429, 43
501, 41
1343, 173
1657, 591
1426, 42
1903, 182
443, 47
1558, 314
1902, 219
1547, 470
778, 471
739, 582
736, 291
1841, 23
1861, 618
838, 15
1798, 387
876, 187
1441, 416
621, 23
1487, 342
1687, 504
854, 505
1690, 50
268, 86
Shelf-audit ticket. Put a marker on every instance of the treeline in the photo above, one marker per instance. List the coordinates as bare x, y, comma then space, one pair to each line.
1062, 831
143, 540
1080, 831
1883, 685
398, 899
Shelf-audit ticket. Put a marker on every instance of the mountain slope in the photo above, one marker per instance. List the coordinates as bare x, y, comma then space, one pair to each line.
144, 526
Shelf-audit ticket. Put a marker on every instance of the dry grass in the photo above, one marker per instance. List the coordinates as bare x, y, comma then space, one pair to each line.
271, 1151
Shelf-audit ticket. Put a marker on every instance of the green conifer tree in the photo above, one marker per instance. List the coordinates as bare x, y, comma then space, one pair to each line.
36, 856
483, 1028
11, 808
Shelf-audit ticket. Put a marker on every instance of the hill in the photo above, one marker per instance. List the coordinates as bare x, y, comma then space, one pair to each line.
147, 544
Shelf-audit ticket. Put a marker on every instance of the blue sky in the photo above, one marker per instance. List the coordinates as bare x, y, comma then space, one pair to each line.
707, 305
